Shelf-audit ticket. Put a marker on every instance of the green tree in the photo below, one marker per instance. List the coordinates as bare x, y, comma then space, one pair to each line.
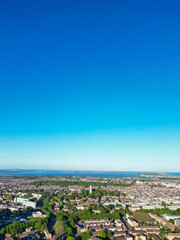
102, 234
72, 223
109, 234
88, 234
38, 224
171, 221
69, 231
58, 227
85, 235
162, 233
70, 238
3, 231
15, 222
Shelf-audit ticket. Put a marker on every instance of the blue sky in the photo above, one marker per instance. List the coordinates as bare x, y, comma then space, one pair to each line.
90, 85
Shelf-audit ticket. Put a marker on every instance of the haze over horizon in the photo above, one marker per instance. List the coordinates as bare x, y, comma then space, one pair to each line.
90, 85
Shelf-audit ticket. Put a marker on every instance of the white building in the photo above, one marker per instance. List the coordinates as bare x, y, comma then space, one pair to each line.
36, 195
174, 207
90, 189
38, 214
25, 201
170, 216
177, 222
148, 207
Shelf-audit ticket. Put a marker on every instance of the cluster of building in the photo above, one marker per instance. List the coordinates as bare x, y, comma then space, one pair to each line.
138, 194
96, 225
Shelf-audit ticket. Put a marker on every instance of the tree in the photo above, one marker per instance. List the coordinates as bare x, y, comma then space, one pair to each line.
171, 221
38, 224
13, 231
102, 234
43, 227
58, 227
149, 235
88, 234
70, 238
109, 234
69, 231
161, 233
3, 231
85, 235
72, 223
15, 222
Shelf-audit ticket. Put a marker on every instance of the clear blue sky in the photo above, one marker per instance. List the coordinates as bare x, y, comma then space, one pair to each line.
90, 85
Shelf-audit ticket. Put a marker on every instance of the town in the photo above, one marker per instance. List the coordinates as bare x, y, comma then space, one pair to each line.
82, 208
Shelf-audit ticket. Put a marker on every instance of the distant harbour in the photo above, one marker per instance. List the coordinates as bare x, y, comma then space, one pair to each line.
61, 173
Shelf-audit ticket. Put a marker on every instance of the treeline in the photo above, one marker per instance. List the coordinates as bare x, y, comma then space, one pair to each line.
78, 183
15, 227
85, 193
74, 217
158, 211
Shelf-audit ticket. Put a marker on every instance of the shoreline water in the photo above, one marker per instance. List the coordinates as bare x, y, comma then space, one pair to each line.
61, 173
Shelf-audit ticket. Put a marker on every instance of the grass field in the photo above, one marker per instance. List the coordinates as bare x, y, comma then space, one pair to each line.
141, 216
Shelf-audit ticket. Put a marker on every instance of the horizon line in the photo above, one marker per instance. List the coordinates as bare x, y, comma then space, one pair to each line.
71, 170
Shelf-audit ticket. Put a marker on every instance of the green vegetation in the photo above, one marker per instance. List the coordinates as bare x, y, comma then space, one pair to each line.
171, 221
70, 238
8, 197
163, 204
75, 216
158, 211
59, 227
141, 216
85, 235
15, 227
69, 231
47, 206
102, 234
79, 183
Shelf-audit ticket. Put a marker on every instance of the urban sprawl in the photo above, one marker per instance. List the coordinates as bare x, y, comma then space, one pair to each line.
94, 208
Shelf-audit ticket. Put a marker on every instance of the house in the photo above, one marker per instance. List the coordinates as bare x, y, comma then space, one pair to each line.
132, 222
170, 216
129, 237
118, 223
140, 236
121, 238
162, 221
134, 208
38, 214
94, 238
171, 236
119, 234
155, 237
137, 232
47, 234
177, 222
111, 228
151, 229
96, 211
25, 201
60, 236
8, 237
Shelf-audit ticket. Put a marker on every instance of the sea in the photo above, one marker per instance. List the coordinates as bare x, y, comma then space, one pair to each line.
58, 173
